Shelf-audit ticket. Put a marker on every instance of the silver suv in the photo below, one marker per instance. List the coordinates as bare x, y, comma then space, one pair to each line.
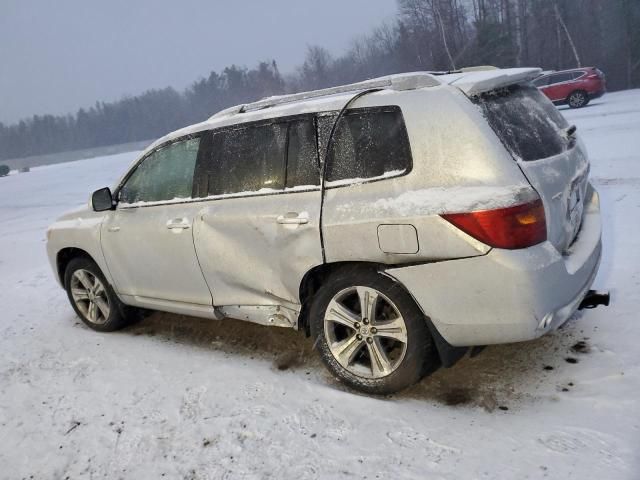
397, 221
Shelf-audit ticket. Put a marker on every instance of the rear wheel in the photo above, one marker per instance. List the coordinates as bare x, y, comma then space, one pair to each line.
578, 99
370, 333
92, 298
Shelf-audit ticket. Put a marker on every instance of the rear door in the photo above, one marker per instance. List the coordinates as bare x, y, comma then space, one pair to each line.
559, 86
258, 234
556, 165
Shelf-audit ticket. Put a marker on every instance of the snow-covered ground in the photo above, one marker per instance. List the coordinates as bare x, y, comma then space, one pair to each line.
176, 397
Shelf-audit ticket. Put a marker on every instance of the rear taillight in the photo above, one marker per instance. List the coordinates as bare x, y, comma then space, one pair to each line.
593, 76
514, 227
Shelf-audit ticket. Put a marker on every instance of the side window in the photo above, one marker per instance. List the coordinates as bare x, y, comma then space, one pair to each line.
561, 77
325, 123
165, 174
541, 81
247, 159
369, 143
302, 154
576, 75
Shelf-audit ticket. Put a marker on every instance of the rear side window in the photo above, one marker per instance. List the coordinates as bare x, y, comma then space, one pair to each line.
541, 82
526, 122
561, 77
302, 154
369, 143
247, 159
165, 174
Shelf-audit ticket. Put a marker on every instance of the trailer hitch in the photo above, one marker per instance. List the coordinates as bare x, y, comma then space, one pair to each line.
593, 298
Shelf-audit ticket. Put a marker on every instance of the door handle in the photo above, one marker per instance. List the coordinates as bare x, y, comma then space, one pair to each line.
178, 223
293, 218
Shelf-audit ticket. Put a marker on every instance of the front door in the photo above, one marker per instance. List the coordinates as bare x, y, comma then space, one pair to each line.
148, 239
258, 232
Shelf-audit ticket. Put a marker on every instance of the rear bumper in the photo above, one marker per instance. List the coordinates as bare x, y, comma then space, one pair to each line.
598, 94
507, 295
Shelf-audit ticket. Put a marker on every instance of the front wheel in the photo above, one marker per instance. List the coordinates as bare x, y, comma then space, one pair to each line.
370, 333
92, 298
578, 99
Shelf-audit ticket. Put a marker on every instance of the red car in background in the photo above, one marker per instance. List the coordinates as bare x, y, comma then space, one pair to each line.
572, 87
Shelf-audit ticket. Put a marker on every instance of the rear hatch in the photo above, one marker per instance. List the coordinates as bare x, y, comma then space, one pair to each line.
544, 145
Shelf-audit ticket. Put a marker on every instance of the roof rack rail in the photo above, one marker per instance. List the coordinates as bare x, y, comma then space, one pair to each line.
399, 82
478, 68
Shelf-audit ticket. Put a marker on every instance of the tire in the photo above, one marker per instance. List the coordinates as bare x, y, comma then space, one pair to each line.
347, 351
93, 299
577, 99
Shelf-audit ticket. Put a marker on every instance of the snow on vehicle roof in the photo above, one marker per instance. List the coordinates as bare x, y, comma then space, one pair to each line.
471, 81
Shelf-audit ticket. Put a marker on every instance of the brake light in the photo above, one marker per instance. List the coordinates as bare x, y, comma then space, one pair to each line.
593, 75
514, 227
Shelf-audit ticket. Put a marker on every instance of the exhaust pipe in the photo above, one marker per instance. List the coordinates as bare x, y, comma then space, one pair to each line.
593, 298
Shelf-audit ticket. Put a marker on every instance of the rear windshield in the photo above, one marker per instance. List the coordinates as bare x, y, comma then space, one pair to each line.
526, 122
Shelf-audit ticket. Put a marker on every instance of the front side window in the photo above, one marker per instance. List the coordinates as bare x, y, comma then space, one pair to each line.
165, 174
369, 143
247, 159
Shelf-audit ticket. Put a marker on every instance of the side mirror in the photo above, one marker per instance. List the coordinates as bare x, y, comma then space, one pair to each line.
102, 200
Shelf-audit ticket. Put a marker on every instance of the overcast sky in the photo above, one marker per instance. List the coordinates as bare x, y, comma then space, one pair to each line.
57, 56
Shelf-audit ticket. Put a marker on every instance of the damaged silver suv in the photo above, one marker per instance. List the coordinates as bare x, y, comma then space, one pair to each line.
399, 221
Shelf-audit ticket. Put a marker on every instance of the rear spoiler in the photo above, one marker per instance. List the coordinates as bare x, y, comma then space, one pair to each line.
473, 82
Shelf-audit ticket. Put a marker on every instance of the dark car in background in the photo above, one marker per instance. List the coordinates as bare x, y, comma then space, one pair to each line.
572, 87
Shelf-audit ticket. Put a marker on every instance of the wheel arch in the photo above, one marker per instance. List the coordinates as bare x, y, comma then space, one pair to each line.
314, 278
64, 256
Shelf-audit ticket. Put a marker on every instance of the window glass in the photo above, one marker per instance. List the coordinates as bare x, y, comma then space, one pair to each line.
247, 159
165, 174
525, 120
369, 143
541, 81
325, 123
302, 156
561, 77
576, 75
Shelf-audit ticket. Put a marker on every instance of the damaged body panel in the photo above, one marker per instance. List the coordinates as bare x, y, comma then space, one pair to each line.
256, 250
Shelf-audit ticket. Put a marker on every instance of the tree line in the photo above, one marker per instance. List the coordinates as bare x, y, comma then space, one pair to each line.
439, 35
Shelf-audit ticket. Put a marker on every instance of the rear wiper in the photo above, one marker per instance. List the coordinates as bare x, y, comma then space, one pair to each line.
570, 131
569, 134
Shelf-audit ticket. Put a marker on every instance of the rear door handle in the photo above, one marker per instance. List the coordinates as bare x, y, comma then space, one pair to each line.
293, 218
178, 223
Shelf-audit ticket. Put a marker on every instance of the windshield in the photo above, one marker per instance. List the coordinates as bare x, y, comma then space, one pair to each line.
526, 122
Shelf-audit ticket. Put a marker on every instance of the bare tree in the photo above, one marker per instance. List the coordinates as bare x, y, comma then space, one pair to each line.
566, 31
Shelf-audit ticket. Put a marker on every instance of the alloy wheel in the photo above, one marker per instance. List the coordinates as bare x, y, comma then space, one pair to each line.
577, 99
365, 332
90, 296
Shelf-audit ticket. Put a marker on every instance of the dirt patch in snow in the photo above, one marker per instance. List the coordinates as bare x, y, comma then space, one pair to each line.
497, 379
502, 376
581, 347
